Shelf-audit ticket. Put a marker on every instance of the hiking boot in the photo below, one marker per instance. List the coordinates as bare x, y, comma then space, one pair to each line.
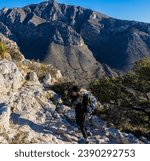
89, 133
83, 141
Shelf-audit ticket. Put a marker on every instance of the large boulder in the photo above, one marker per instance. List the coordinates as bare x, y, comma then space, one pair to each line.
47, 80
32, 76
58, 74
10, 77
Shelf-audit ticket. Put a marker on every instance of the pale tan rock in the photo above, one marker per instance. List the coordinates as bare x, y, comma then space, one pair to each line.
47, 80
33, 77
58, 74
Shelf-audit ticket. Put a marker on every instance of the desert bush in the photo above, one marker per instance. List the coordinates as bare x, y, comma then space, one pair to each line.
22, 67
3, 48
4, 51
142, 69
16, 56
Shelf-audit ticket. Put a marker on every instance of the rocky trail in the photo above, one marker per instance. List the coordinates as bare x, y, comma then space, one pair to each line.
27, 115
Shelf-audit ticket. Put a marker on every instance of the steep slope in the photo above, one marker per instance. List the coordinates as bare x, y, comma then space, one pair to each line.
61, 45
27, 115
67, 34
117, 43
27, 105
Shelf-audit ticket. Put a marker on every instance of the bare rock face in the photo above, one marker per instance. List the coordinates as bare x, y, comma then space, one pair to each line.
47, 80
33, 77
58, 74
2, 85
79, 65
10, 75
3, 140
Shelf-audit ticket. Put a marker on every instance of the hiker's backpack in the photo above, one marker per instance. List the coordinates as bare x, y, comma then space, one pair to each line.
89, 102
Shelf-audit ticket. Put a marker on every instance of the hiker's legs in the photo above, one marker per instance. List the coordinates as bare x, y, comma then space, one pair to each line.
82, 128
84, 131
80, 120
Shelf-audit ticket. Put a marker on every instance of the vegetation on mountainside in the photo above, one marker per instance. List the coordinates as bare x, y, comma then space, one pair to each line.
10, 53
41, 69
16, 55
126, 99
3, 48
4, 51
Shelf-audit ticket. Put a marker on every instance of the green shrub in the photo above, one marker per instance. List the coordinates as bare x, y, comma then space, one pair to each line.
126, 99
142, 69
4, 51
105, 89
3, 48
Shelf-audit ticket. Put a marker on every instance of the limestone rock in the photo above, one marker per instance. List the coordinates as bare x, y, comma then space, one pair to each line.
49, 72
11, 74
3, 89
97, 122
64, 48
63, 109
58, 75
145, 140
11, 79
3, 140
47, 80
114, 135
33, 77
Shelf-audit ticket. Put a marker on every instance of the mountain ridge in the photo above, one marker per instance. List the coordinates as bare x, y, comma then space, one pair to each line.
103, 39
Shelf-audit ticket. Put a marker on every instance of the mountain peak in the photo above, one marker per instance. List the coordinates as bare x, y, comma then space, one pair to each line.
52, 1
77, 35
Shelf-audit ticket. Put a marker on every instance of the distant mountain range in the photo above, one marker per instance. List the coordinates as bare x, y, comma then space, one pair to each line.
82, 43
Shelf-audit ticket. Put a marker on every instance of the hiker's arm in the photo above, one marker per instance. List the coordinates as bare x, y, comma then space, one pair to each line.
67, 102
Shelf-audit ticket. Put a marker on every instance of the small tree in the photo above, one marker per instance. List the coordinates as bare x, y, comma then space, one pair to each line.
142, 69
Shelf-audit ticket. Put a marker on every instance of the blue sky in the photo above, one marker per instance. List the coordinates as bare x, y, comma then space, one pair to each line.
124, 9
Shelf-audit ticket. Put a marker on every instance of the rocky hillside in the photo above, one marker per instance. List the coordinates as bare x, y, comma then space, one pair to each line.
76, 40
27, 115
9, 49
27, 105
